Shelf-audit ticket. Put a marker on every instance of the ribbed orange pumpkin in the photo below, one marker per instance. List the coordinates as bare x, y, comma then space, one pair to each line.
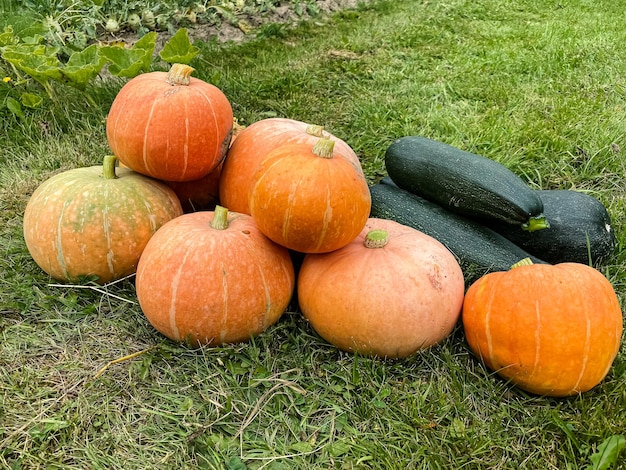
254, 143
551, 330
92, 222
309, 198
169, 125
391, 292
213, 278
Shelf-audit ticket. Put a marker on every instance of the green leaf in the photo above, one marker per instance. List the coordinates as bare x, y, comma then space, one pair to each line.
15, 107
31, 101
7, 37
83, 66
130, 62
37, 60
608, 452
178, 49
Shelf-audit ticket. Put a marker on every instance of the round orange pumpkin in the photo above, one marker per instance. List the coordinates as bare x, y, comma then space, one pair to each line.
389, 293
93, 222
254, 143
208, 278
309, 198
551, 330
169, 125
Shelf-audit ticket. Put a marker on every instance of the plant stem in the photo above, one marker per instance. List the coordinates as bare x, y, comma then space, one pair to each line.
179, 74
108, 167
220, 218
324, 147
376, 238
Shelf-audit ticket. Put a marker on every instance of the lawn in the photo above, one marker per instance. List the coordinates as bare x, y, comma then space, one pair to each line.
87, 383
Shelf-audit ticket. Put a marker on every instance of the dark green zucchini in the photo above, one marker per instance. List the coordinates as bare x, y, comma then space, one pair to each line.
462, 182
580, 230
478, 249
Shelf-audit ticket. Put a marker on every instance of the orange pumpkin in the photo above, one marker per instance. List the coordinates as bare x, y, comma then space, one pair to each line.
169, 125
391, 292
254, 143
93, 222
213, 278
551, 330
198, 195
310, 198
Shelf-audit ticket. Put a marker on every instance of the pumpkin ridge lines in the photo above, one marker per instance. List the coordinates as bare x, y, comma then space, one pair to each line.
174, 285
106, 227
224, 326
537, 340
59, 241
145, 134
587, 349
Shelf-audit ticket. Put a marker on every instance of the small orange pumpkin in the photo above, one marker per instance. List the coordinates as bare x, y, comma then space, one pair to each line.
93, 222
208, 278
254, 143
390, 292
169, 125
309, 198
551, 330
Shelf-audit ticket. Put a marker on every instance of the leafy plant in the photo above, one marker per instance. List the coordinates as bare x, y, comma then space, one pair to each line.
31, 59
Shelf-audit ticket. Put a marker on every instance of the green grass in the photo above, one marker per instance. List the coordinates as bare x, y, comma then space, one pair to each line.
537, 85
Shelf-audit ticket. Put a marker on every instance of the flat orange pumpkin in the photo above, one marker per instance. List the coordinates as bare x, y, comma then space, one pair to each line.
93, 221
310, 198
169, 125
551, 330
389, 293
208, 278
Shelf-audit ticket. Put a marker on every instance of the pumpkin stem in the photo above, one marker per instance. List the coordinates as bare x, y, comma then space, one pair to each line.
220, 218
315, 130
536, 223
522, 262
324, 147
108, 167
179, 74
376, 238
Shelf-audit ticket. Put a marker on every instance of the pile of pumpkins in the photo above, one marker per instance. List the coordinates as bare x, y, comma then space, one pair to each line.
221, 230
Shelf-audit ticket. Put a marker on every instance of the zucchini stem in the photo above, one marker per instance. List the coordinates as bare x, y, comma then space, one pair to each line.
536, 223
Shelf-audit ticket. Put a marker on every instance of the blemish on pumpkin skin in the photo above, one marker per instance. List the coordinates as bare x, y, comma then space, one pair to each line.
435, 277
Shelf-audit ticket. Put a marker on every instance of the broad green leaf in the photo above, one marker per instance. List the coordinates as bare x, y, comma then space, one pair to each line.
83, 66
15, 107
178, 49
30, 100
608, 452
130, 62
37, 60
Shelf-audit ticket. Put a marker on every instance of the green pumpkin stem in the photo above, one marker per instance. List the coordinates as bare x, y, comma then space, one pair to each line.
108, 167
324, 147
376, 238
522, 262
179, 74
220, 218
315, 130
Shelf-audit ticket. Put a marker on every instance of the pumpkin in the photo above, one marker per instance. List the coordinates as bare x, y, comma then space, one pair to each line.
169, 125
93, 222
198, 195
211, 277
309, 198
390, 292
254, 143
551, 330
